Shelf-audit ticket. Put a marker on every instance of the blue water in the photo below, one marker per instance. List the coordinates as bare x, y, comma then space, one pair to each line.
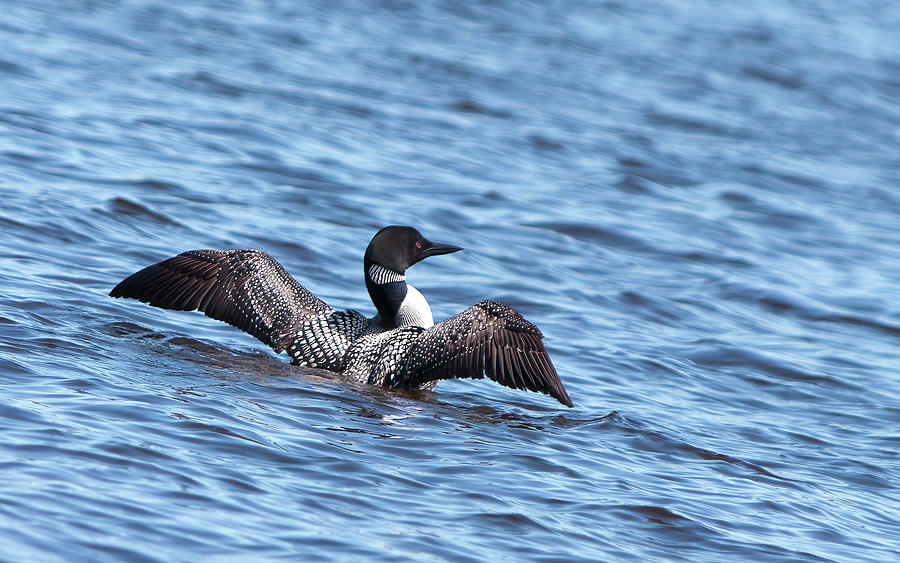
697, 202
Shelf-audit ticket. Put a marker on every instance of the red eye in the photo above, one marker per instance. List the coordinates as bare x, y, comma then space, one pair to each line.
418, 244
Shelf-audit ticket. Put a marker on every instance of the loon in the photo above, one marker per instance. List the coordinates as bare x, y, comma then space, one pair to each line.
400, 347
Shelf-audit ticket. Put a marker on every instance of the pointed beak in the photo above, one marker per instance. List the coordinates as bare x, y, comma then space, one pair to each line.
436, 248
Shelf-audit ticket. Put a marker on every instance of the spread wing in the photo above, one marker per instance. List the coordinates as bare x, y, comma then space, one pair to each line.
245, 288
486, 339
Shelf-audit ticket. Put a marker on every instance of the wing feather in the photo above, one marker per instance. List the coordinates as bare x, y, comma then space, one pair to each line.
486, 339
245, 288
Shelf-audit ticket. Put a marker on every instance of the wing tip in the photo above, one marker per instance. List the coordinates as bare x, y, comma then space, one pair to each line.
554, 385
121, 289
563, 398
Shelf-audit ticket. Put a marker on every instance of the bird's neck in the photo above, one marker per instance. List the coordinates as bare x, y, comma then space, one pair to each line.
398, 303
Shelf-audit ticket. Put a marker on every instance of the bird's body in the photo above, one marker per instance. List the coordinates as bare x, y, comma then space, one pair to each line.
399, 347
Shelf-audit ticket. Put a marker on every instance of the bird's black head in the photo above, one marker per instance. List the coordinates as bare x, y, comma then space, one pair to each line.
397, 248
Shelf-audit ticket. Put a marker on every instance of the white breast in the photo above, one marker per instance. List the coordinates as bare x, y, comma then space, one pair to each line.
414, 310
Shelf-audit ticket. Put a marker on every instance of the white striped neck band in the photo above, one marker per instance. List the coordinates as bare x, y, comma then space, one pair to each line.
380, 275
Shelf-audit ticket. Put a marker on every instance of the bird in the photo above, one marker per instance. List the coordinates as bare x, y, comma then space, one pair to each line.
400, 347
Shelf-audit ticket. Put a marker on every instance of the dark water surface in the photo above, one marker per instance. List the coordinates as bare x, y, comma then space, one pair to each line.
698, 203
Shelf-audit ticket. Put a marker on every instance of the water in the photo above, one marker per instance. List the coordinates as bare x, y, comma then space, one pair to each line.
697, 203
